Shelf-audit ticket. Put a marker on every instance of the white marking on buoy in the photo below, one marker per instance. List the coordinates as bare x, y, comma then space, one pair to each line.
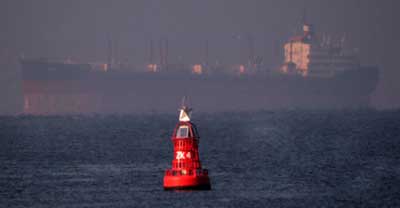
185, 114
188, 155
180, 155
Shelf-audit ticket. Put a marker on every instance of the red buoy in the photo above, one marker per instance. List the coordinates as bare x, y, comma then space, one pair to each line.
186, 171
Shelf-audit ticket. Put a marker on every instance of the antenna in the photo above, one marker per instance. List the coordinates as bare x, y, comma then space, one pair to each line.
304, 13
304, 16
183, 101
306, 27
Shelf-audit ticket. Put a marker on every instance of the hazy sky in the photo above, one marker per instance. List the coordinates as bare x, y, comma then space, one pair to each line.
79, 29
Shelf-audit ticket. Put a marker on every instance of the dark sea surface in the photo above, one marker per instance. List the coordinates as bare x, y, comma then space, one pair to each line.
258, 159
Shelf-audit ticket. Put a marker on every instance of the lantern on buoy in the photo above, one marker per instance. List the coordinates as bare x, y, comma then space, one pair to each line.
186, 171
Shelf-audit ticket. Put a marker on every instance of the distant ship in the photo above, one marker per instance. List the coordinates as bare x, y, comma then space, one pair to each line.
317, 74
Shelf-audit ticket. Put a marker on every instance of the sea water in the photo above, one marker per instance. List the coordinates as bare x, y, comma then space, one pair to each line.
255, 159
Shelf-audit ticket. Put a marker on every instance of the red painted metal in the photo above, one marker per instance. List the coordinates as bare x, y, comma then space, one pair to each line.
186, 171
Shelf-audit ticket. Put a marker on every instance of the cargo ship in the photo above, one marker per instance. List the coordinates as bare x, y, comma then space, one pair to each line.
316, 74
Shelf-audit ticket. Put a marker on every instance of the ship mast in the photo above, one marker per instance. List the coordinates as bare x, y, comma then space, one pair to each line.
163, 44
206, 54
250, 40
110, 53
151, 52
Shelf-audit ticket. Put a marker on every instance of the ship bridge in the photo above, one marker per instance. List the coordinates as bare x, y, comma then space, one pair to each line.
309, 55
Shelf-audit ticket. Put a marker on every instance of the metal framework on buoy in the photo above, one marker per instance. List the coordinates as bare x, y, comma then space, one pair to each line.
186, 171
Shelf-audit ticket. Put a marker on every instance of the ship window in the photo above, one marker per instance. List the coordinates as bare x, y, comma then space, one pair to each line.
182, 132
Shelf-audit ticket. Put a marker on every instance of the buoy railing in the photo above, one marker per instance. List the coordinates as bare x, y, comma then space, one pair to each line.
198, 172
185, 165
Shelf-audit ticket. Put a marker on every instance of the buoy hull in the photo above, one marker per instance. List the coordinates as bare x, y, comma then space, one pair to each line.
186, 172
187, 183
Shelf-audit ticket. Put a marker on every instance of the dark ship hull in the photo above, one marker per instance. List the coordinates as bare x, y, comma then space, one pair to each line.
60, 90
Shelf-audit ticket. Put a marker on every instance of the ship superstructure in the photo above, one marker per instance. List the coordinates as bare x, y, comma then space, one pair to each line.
309, 55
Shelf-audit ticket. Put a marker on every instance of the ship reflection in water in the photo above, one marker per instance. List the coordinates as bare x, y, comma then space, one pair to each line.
317, 73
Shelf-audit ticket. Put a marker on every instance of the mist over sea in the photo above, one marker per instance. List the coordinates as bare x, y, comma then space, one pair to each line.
255, 159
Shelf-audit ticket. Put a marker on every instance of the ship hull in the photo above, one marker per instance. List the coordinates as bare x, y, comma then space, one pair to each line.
109, 92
